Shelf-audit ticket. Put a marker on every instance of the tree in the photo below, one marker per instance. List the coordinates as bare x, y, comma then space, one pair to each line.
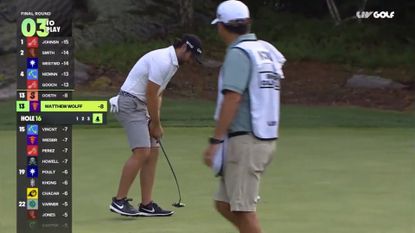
334, 12
186, 14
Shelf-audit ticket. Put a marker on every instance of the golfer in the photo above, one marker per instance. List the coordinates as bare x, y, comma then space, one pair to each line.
247, 115
137, 108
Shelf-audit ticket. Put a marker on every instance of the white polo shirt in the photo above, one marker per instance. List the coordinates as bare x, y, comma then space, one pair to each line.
158, 66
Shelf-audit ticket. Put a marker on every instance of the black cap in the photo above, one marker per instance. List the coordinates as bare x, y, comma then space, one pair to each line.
194, 44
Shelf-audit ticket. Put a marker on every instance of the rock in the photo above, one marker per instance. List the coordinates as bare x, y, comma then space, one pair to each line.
8, 68
8, 92
7, 26
125, 21
8, 38
100, 22
372, 82
82, 71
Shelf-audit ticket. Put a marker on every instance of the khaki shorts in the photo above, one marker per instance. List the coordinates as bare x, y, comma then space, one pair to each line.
246, 159
133, 115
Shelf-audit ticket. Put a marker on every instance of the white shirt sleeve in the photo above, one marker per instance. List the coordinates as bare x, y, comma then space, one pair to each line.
158, 72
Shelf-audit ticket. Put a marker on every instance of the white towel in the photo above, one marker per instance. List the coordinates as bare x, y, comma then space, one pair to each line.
114, 104
219, 158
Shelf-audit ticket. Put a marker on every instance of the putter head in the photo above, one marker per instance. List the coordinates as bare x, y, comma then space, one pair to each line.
178, 204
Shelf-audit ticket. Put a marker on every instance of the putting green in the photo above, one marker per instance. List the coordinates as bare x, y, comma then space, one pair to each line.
334, 180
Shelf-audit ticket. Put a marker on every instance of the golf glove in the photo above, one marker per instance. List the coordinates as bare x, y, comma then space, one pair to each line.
114, 104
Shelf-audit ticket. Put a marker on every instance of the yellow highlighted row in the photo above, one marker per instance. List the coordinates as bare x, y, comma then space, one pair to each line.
62, 106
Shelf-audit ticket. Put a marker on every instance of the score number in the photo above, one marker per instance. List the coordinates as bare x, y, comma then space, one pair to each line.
30, 27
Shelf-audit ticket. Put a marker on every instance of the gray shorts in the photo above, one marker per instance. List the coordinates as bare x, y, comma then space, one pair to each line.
132, 114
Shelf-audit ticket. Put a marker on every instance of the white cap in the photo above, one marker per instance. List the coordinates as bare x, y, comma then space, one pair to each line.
231, 10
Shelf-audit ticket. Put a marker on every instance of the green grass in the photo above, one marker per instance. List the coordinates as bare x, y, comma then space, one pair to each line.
197, 113
335, 180
337, 169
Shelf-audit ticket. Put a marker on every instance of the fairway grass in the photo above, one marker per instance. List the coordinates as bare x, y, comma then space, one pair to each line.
334, 180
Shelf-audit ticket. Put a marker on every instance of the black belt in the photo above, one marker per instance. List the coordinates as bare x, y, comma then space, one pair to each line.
124, 93
237, 133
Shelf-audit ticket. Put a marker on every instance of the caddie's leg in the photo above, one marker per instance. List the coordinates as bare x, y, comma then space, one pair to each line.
225, 210
248, 222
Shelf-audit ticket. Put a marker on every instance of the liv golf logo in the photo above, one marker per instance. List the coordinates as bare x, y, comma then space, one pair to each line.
375, 14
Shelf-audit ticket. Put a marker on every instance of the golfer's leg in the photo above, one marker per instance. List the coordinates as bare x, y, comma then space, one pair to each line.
225, 210
247, 222
130, 170
147, 176
133, 118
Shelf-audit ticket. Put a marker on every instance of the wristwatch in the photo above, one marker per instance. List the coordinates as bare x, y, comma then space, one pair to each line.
215, 141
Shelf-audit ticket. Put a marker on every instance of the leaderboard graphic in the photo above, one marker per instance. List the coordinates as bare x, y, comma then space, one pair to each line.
45, 114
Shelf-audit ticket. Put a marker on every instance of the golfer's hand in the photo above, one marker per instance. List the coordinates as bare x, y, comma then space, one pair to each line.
209, 154
156, 131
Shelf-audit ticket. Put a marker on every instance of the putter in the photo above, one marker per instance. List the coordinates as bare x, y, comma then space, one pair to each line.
179, 203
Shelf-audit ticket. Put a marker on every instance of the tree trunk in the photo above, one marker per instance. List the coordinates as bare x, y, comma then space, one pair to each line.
333, 11
186, 14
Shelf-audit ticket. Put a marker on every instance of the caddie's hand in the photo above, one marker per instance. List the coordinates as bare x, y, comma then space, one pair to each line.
156, 130
209, 154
